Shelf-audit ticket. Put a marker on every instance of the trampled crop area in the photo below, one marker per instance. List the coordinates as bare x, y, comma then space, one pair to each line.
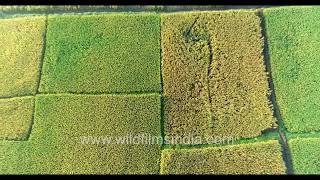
215, 82
144, 92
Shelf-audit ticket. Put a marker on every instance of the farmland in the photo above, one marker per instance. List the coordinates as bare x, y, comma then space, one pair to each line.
16, 117
90, 92
215, 82
60, 120
293, 36
305, 155
251, 158
87, 56
21, 38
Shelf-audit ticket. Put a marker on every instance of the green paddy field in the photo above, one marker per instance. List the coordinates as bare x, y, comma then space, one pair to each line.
79, 91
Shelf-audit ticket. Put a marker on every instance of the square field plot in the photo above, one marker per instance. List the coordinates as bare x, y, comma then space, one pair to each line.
293, 38
305, 153
214, 78
251, 158
89, 134
16, 118
21, 47
102, 53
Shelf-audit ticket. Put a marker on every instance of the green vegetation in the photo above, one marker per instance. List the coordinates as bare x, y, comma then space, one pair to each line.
214, 78
218, 142
80, 93
290, 135
305, 154
16, 118
55, 145
20, 55
293, 36
252, 158
102, 53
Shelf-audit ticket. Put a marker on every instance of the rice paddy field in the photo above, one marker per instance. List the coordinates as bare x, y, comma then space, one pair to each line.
159, 92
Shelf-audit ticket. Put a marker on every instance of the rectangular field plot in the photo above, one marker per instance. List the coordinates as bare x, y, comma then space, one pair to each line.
16, 117
253, 158
305, 154
214, 78
21, 46
102, 53
68, 131
293, 38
